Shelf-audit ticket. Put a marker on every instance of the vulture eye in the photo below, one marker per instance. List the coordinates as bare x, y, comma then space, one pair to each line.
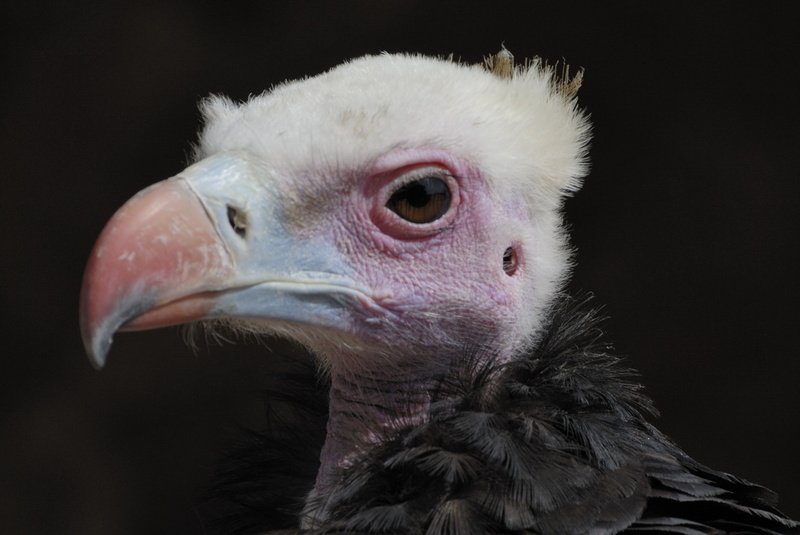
421, 201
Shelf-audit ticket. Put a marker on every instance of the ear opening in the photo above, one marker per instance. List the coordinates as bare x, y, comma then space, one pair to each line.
510, 261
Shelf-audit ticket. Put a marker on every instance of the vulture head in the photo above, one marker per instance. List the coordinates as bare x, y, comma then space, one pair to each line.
385, 214
389, 215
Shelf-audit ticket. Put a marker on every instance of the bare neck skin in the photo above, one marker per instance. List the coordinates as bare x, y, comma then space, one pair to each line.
362, 408
368, 401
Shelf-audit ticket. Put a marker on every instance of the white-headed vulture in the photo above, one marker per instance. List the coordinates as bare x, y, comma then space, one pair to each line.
400, 217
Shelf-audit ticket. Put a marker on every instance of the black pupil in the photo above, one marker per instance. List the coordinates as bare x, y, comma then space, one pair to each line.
421, 201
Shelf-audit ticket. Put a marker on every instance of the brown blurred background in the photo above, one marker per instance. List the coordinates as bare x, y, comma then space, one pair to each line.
687, 228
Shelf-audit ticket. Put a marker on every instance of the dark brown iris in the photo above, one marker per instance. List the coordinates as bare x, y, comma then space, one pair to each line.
422, 201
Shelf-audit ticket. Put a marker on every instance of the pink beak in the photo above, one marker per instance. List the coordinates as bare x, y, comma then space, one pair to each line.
157, 262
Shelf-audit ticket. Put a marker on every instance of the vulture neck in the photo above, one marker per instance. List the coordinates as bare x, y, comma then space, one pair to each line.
370, 398
365, 407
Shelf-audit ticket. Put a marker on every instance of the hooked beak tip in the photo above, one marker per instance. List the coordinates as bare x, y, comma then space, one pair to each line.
97, 351
95, 342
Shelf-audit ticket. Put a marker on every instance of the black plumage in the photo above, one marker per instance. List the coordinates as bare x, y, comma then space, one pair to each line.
553, 442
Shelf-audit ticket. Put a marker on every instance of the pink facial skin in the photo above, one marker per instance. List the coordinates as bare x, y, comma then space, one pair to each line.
421, 273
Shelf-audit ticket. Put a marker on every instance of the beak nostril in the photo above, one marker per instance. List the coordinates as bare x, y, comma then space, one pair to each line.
237, 220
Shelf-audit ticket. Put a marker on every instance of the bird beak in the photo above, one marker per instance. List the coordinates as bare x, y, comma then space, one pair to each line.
207, 243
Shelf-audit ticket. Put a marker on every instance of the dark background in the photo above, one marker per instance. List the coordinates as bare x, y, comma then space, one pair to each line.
687, 228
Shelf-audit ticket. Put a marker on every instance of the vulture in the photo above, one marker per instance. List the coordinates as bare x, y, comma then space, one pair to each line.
399, 216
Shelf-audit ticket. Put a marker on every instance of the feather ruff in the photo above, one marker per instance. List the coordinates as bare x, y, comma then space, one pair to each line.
553, 442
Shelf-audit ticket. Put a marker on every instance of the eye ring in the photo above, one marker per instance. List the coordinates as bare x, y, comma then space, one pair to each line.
391, 191
422, 200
